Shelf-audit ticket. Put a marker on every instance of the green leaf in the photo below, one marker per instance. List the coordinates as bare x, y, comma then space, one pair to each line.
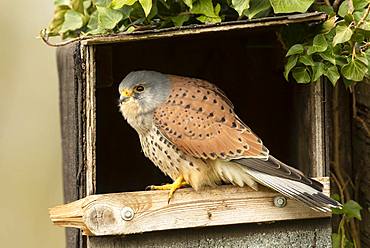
102, 3
360, 4
290, 6
73, 20
335, 240
93, 21
352, 209
355, 70
205, 8
240, 6
147, 6
328, 55
58, 20
296, 49
77, 5
61, 2
292, 61
319, 44
179, 20
301, 75
257, 7
343, 9
317, 71
333, 74
357, 5
328, 25
108, 18
343, 34
189, 3
306, 60
117, 4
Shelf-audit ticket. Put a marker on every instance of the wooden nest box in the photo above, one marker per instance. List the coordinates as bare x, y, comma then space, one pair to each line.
104, 167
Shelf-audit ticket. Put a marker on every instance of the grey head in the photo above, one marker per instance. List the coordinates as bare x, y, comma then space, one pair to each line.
141, 92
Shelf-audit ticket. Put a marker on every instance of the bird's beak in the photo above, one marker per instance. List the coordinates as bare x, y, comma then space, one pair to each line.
125, 95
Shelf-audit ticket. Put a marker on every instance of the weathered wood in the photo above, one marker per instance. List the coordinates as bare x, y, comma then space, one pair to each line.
71, 95
202, 29
361, 157
105, 214
283, 234
309, 135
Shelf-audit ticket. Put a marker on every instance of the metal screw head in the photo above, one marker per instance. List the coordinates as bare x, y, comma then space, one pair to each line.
280, 201
127, 213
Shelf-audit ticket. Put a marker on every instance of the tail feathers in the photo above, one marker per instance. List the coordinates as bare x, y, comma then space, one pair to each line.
296, 190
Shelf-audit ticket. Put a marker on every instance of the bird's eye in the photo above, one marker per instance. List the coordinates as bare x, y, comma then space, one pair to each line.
139, 88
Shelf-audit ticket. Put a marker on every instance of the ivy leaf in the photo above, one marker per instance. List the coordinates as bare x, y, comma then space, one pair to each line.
328, 24
72, 20
352, 209
240, 6
61, 2
189, 3
301, 75
306, 60
147, 6
296, 49
343, 34
257, 7
357, 5
355, 70
58, 20
290, 6
108, 18
205, 8
117, 4
333, 74
328, 55
102, 3
93, 21
319, 44
317, 71
292, 61
77, 5
179, 20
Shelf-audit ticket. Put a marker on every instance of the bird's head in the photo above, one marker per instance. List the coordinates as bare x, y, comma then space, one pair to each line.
141, 92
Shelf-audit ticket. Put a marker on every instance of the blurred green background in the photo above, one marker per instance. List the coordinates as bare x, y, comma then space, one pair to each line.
30, 149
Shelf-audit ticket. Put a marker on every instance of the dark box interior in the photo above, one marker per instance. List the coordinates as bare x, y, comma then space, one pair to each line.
248, 66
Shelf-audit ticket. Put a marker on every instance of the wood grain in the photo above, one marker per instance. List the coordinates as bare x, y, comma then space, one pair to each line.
102, 214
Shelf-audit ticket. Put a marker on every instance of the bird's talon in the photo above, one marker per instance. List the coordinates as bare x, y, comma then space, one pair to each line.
149, 187
178, 183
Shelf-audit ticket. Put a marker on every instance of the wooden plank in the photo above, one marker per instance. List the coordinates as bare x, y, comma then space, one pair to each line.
200, 29
71, 87
109, 214
298, 233
90, 109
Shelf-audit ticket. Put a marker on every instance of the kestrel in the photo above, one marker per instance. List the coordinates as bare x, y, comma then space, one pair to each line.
188, 128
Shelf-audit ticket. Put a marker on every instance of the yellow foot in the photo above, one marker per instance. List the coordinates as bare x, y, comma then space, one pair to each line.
172, 187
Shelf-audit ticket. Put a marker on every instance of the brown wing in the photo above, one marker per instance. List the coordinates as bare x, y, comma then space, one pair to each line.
199, 119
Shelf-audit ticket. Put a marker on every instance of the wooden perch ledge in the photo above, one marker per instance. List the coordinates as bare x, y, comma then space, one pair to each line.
144, 211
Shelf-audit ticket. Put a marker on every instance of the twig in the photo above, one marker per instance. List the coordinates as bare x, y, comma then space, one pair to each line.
45, 39
365, 46
350, 6
340, 188
363, 18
